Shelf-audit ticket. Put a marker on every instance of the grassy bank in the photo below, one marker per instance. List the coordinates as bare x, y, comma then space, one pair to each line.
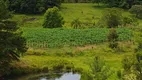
79, 61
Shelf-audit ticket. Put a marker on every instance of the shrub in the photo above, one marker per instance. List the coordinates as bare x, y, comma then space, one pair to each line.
138, 38
139, 56
130, 21
112, 17
119, 74
100, 70
76, 23
137, 10
113, 38
53, 18
127, 63
132, 68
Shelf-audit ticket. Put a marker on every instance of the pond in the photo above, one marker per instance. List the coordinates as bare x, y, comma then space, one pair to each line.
46, 76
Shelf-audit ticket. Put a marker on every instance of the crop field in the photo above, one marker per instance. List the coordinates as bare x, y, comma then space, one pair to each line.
49, 38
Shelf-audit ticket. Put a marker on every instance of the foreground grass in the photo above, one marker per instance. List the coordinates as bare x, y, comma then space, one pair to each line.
80, 61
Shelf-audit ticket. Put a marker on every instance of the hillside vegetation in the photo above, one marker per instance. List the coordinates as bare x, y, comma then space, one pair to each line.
83, 43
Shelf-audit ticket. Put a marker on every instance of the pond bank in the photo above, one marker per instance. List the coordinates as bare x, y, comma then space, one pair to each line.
47, 64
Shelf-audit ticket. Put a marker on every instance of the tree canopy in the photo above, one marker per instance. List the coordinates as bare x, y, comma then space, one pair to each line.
32, 6
53, 18
4, 13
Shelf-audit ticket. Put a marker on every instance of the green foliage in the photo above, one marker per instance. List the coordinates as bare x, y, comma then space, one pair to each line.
130, 21
97, 1
127, 64
32, 6
138, 38
112, 17
38, 37
4, 13
137, 10
12, 44
113, 44
113, 38
100, 70
132, 68
119, 74
76, 23
139, 56
138, 70
53, 18
112, 3
119, 3
76, 1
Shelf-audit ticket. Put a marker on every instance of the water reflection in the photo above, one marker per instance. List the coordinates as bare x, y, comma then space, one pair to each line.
69, 76
65, 76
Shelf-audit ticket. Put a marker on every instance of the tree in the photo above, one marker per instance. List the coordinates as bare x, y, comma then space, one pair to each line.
112, 3
4, 13
52, 18
112, 17
120, 3
12, 44
137, 10
32, 6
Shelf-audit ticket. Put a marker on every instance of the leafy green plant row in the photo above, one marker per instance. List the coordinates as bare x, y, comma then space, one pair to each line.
40, 37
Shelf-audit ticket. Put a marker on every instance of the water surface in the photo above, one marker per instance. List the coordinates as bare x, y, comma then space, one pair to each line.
45, 76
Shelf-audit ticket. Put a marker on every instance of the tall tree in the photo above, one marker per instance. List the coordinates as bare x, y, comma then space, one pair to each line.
12, 44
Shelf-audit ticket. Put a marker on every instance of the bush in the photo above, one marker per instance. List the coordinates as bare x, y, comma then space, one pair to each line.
127, 64
100, 70
132, 68
53, 18
76, 23
130, 21
112, 17
113, 38
137, 10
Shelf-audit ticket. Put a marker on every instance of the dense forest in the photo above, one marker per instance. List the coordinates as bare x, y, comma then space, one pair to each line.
40, 6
